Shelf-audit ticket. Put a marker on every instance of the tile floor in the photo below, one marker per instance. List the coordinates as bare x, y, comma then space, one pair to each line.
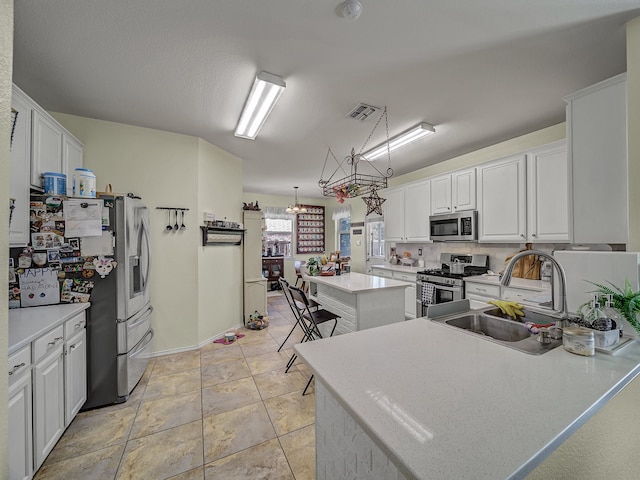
221, 412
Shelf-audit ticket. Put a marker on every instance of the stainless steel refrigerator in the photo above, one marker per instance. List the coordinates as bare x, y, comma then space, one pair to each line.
119, 329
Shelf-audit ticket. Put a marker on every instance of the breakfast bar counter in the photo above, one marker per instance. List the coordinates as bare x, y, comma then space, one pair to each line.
422, 400
361, 301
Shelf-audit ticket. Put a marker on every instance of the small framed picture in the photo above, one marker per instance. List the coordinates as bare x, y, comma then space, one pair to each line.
74, 243
53, 255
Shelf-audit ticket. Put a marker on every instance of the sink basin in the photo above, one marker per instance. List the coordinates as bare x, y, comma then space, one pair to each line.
504, 331
489, 326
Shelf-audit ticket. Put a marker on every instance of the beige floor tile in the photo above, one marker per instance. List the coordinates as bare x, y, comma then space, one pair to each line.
236, 430
277, 382
291, 411
258, 348
265, 462
164, 454
265, 362
178, 362
229, 396
195, 474
225, 354
300, 449
224, 372
174, 384
99, 465
167, 412
92, 433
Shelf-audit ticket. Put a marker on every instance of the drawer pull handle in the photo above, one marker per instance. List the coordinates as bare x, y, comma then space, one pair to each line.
55, 340
481, 289
16, 367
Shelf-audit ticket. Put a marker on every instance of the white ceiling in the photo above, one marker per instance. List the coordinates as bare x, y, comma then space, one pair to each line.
480, 71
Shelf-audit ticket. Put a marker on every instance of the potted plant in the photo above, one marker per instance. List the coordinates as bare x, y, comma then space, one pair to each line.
625, 301
312, 267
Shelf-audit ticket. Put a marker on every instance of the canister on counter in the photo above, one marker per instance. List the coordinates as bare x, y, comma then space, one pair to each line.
579, 340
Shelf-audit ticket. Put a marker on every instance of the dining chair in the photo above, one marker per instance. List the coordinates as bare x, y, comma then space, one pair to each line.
310, 319
297, 265
284, 286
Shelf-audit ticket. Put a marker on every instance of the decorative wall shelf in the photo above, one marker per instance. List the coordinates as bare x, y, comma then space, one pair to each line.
221, 236
310, 230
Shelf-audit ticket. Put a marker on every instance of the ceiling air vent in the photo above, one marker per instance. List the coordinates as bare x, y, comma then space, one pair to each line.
362, 111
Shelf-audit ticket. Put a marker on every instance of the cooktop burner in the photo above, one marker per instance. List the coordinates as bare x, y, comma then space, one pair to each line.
444, 272
473, 265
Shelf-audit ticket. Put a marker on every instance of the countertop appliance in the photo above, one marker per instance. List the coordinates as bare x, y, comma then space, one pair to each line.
582, 267
439, 285
119, 329
454, 227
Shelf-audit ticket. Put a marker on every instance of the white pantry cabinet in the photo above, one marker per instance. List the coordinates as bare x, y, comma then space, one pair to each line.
453, 192
502, 200
19, 415
548, 194
406, 212
20, 158
48, 393
597, 144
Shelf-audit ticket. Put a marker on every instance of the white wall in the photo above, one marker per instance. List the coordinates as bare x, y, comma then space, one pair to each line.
633, 127
6, 69
170, 170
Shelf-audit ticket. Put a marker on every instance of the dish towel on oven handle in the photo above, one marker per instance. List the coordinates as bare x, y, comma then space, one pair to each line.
428, 293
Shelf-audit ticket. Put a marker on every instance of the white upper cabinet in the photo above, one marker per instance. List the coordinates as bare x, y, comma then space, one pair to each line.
502, 200
72, 151
20, 158
453, 192
548, 194
406, 212
46, 155
597, 145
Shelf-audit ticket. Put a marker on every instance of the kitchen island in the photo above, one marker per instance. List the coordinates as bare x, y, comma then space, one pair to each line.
362, 301
418, 400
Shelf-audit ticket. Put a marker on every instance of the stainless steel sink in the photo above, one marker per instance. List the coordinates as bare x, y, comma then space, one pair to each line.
504, 331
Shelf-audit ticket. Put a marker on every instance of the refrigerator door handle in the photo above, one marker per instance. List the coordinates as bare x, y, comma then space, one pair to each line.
145, 234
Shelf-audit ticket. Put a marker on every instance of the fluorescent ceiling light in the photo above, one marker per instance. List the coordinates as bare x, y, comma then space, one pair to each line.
264, 94
411, 135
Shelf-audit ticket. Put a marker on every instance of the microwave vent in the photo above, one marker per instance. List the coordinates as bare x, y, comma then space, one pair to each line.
362, 111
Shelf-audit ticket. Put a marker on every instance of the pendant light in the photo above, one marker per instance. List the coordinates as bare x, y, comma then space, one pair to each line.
296, 207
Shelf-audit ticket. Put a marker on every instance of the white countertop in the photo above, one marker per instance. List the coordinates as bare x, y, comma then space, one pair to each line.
447, 404
27, 324
400, 268
523, 283
356, 282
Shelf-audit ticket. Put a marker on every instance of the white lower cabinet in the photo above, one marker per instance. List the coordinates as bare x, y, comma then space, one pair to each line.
48, 402
75, 373
409, 292
19, 415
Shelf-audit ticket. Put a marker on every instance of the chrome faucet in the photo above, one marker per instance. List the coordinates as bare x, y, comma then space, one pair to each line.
508, 272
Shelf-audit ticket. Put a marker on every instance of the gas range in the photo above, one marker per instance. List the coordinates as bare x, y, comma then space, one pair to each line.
473, 265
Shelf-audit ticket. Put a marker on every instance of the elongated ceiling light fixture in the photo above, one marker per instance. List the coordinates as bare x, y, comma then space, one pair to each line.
405, 138
296, 207
264, 94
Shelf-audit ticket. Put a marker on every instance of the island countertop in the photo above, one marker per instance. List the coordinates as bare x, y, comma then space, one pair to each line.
354, 282
443, 403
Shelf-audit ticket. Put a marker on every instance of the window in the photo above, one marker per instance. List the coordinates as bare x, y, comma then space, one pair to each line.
278, 232
375, 237
342, 218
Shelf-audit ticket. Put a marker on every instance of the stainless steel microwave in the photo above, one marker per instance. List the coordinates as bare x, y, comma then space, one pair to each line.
454, 227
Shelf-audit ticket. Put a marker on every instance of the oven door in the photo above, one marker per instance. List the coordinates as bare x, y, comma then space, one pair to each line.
441, 294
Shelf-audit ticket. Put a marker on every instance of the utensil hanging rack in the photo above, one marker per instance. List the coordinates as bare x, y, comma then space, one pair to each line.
175, 227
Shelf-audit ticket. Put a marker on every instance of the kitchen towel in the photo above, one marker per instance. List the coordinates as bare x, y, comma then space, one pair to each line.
428, 293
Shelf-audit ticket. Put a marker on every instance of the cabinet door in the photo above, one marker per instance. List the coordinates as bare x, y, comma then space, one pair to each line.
20, 164
463, 190
75, 380
393, 209
417, 199
441, 194
548, 194
502, 200
72, 152
46, 155
20, 428
410, 304
48, 399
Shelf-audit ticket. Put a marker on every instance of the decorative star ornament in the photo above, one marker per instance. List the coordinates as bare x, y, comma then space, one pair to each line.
374, 202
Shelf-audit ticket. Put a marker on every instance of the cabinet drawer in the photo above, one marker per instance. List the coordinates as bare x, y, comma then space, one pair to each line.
482, 289
19, 363
47, 341
378, 272
407, 277
74, 325
518, 295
